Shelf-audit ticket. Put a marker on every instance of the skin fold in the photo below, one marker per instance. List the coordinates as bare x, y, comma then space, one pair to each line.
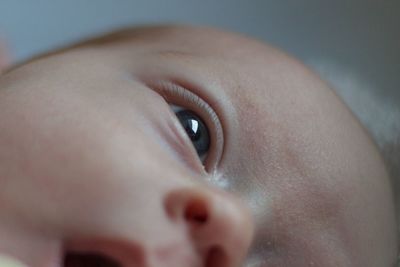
94, 158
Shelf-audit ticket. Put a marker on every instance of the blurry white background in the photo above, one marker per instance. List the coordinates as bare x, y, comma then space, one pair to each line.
354, 44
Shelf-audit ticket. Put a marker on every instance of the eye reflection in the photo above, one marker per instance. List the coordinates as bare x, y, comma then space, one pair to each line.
197, 131
201, 122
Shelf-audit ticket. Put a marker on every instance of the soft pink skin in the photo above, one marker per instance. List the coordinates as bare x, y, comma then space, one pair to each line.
90, 152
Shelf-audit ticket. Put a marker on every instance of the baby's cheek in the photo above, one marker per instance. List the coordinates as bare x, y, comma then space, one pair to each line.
88, 186
51, 183
305, 221
53, 196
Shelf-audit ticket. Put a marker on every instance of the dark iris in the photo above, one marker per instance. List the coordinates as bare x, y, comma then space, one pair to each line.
196, 130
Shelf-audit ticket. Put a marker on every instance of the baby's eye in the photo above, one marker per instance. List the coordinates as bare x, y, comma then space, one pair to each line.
198, 119
197, 131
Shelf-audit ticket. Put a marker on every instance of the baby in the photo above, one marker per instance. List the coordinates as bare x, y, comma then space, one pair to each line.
183, 146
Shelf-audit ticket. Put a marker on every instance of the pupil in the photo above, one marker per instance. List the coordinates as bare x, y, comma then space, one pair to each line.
196, 130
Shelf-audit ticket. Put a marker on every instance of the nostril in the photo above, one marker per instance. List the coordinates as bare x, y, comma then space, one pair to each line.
196, 212
190, 205
216, 257
218, 227
72, 259
101, 252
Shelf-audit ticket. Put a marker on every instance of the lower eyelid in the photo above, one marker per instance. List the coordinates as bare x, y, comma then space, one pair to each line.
177, 95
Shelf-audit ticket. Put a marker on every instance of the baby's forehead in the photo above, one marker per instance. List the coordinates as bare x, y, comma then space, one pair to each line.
182, 41
200, 41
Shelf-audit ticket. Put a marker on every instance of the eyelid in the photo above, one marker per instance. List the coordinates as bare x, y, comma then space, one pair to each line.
178, 95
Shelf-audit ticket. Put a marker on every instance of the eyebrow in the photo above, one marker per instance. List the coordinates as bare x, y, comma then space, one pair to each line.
124, 34
167, 53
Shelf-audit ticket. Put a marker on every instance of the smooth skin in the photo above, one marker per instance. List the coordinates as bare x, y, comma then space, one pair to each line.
94, 158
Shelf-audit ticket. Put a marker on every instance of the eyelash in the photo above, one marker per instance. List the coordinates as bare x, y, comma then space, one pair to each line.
176, 94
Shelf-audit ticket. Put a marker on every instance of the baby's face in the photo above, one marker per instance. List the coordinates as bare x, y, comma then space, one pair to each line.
94, 158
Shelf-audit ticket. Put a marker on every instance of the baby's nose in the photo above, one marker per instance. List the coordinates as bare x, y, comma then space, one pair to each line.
220, 227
